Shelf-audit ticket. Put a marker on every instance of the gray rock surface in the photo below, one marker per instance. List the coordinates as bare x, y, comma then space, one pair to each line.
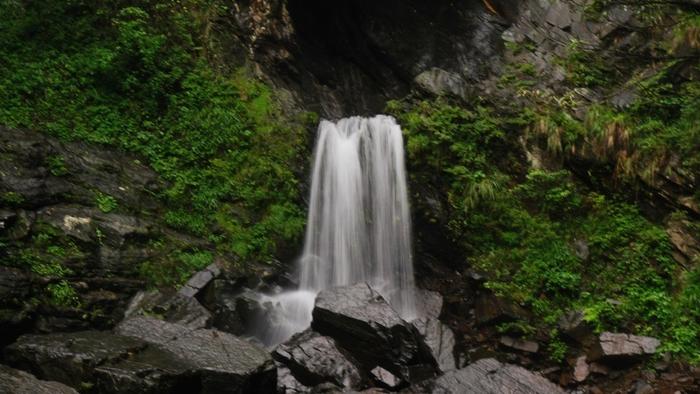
152, 370
364, 323
14, 381
429, 303
315, 359
488, 376
492, 309
69, 358
441, 341
520, 344
224, 362
622, 347
172, 307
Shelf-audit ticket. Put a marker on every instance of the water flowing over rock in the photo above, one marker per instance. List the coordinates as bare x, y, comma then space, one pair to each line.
359, 227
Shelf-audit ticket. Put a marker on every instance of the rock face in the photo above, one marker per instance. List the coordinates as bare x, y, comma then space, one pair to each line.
174, 308
69, 358
56, 188
224, 362
488, 376
491, 309
315, 359
19, 382
351, 56
611, 347
148, 356
440, 340
360, 319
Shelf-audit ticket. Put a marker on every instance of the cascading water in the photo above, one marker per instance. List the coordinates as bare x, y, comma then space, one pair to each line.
359, 227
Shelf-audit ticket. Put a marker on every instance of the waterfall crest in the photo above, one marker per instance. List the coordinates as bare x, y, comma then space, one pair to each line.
359, 227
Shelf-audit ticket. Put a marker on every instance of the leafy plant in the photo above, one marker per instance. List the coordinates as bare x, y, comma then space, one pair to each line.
105, 202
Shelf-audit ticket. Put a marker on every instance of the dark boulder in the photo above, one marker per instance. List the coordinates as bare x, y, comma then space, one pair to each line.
200, 280
225, 363
440, 340
361, 320
490, 309
520, 344
171, 307
69, 358
315, 359
618, 347
574, 326
15, 381
150, 371
489, 376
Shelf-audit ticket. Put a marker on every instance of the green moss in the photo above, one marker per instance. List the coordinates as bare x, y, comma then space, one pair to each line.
176, 268
105, 202
56, 165
11, 198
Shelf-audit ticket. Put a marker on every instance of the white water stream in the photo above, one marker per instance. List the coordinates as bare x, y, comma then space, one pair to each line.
359, 227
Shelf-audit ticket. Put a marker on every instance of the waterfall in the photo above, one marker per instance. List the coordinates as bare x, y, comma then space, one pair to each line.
359, 227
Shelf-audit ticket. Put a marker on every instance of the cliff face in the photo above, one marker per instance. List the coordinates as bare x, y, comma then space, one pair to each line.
350, 57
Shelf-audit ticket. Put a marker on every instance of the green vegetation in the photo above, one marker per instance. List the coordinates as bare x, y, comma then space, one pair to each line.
144, 76
105, 202
177, 268
56, 166
545, 240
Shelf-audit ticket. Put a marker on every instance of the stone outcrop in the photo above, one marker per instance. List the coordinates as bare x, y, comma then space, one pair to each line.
52, 189
147, 355
360, 319
19, 382
440, 340
314, 359
69, 358
612, 347
171, 307
488, 376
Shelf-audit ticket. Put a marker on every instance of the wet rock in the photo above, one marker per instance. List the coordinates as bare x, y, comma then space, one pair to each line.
224, 362
642, 387
559, 15
440, 340
69, 358
490, 309
287, 383
15, 225
489, 376
200, 280
599, 369
385, 378
19, 382
361, 320
171, 307
429, 303
581, 369
152, 370
611, 347
440, 83
315, 359
520, 344
575, 326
